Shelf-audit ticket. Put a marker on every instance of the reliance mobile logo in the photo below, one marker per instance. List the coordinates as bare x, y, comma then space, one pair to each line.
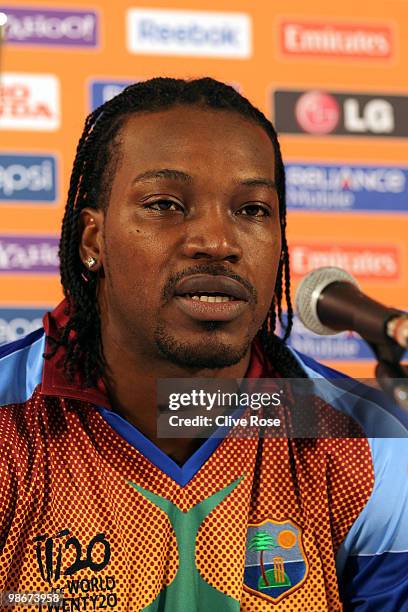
193, 33
341, 113
102, 91
333, 187
368, 262
15, 323
27, 178
29, 102
43, 26
339, 40
346, 346
29, 254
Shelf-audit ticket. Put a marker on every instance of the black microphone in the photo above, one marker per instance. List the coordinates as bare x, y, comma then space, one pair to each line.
329, 301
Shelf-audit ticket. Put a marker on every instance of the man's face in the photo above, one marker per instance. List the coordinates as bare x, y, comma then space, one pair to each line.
191, 239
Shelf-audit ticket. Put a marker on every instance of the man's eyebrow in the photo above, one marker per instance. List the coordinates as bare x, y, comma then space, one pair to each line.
259, 182
179, 175
167, 173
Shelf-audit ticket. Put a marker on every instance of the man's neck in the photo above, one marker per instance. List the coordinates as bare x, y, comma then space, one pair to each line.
131, 383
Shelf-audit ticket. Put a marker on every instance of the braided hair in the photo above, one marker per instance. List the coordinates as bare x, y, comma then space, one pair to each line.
92, 175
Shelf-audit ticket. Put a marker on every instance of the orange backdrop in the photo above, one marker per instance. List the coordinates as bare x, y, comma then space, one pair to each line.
378, 66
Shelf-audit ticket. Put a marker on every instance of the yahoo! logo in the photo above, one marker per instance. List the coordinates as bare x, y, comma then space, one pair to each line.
28, 254
43, 26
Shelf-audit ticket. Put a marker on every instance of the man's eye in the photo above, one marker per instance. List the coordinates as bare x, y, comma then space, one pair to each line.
164, 205
254, 210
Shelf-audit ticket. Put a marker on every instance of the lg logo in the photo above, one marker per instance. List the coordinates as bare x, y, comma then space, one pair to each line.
319, 112
376, 116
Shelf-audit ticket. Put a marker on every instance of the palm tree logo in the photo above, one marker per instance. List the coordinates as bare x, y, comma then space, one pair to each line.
260, 542
273, 573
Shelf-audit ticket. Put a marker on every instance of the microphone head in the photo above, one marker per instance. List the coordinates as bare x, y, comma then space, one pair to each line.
309, 291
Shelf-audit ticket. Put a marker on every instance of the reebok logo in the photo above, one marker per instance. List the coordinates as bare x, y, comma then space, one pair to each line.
191, 33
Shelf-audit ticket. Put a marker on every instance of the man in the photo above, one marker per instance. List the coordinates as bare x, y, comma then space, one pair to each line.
174, 262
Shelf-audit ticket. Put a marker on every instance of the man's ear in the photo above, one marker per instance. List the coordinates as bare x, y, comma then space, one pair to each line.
91, 244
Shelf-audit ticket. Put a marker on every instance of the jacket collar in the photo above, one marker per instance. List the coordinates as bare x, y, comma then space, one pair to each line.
54, 381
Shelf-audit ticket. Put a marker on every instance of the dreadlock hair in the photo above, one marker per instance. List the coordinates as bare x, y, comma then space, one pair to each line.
91, 180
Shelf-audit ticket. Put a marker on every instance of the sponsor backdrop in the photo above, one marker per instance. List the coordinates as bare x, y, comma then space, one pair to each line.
332, 77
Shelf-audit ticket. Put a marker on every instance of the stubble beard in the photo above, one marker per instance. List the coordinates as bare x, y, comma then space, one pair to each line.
209, 353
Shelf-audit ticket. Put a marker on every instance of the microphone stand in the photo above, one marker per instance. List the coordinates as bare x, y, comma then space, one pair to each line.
391, 375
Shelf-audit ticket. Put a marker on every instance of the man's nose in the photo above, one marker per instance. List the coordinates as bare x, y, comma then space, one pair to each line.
212, 236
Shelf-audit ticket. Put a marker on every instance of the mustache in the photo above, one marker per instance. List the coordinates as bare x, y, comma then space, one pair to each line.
214, 270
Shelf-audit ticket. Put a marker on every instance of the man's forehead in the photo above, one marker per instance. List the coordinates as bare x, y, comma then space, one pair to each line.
183, 118
178, 131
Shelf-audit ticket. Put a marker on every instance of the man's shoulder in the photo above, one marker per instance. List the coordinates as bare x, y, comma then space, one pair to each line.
313, 367
377, 414
382, 526
380, 531
21, 366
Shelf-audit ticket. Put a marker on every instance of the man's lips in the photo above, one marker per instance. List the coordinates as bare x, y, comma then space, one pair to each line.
210, 311
215, 287
207, 284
